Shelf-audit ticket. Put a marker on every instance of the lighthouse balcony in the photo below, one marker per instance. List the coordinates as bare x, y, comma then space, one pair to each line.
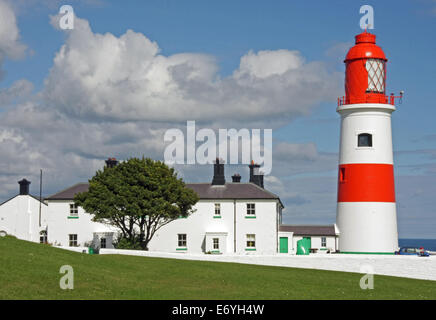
379, 98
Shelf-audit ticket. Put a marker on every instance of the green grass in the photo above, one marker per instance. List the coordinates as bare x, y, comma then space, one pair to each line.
31, 271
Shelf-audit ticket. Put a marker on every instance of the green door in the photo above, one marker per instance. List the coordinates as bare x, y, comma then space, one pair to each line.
303, 246
308, 241
283, 244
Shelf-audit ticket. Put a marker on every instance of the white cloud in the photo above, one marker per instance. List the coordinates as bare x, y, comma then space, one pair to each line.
268, 63
293, 151
338, 51
10, 45
19, 90
125, 78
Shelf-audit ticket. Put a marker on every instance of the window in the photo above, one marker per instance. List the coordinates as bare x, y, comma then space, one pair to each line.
43, 236
182, 240
251, 241
251, 210
73, 240
376, 75
341, 174
323, 242
364, 140
216, 243
74, 210
217, 209
103, 243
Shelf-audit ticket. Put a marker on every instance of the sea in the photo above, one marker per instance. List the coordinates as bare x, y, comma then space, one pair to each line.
427, 244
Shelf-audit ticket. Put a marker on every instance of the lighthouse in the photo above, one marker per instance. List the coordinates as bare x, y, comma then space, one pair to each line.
366, 208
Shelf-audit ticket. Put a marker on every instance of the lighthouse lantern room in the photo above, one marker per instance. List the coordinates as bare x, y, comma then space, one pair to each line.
366, 209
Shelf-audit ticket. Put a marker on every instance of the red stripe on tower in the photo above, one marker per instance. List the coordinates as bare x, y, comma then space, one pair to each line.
369, 182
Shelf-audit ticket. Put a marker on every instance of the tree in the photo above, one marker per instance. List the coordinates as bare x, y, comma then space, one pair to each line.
138, 196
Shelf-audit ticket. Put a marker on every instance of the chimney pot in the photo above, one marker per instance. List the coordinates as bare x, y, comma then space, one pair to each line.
218, 173
256, 176
236, 178
24, 187
111, 162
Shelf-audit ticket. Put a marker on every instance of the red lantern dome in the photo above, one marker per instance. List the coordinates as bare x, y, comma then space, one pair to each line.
365, 76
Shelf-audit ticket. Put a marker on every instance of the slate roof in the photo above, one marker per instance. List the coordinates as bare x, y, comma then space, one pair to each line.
204, 190
69, 193
231, 191
309, 230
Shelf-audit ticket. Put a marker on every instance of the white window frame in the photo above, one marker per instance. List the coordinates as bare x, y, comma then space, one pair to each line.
250, 240
323, 242
218, 209
74, 210
251, 209
182, 240
73, 242
43, 236
216, 244
101, 243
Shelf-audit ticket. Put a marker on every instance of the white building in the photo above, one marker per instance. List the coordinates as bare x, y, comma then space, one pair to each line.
229, 218
24, 215
323, 239
235, 217
71, 226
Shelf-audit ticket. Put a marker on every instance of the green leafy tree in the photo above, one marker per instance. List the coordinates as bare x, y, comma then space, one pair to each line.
138, 196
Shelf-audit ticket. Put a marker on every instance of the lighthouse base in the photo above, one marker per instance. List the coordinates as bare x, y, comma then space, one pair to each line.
367, 227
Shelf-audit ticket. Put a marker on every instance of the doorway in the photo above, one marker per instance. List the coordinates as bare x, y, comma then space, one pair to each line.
283, 244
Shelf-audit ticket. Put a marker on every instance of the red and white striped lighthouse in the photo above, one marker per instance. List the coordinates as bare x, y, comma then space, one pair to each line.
366, 210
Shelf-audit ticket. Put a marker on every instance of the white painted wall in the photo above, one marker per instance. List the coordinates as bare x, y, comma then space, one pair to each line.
201, 227
367, 227
20, 217
60, 225
373, 118
202, 222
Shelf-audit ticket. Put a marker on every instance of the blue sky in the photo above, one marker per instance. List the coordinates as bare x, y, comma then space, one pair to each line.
321, 31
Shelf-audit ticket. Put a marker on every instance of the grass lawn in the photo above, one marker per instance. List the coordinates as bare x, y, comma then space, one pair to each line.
31, 271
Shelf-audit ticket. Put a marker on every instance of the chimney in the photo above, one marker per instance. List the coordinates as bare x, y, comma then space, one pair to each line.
236, 178
218, 173
260, 180
256, 176
24, 187
111, 162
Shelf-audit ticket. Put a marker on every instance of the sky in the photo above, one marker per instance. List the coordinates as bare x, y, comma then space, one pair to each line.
130, 70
